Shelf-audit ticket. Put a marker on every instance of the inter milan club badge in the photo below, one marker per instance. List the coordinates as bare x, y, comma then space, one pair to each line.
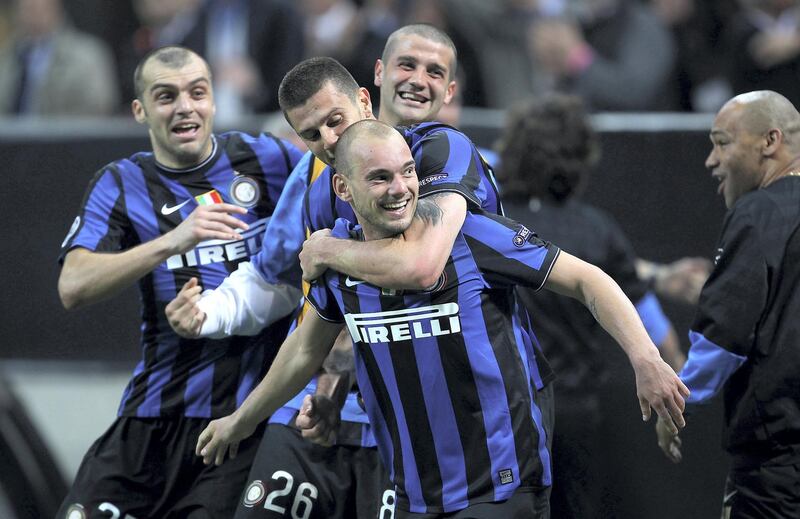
244, 191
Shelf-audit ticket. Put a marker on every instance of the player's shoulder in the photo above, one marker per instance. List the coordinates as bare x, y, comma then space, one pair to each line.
428, 130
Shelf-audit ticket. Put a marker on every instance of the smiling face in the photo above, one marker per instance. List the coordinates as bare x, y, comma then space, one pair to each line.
322, 119
736, 159
380, 183
177, 105
415, 79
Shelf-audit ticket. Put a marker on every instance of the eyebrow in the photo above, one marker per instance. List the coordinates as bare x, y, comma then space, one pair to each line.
318, 122
193, 83
434, 65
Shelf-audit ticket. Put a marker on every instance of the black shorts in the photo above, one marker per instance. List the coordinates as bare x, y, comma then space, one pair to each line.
293, 477
767, 489
146, 467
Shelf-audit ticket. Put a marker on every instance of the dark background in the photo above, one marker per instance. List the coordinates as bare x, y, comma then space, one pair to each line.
653, 182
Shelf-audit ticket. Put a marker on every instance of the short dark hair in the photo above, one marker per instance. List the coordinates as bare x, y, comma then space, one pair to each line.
173, 56
426, 31
547, 149
309, 76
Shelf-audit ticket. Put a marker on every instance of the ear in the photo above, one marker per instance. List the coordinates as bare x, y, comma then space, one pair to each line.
772, 141
378, 81
138, 111
364, 102
450, 92
340, 187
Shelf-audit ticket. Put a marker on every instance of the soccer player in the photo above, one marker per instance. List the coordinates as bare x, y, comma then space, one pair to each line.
444, 384
746, 331
195, 206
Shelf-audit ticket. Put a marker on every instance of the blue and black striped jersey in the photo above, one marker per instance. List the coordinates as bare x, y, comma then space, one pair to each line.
447, 161
135, 200
446, 387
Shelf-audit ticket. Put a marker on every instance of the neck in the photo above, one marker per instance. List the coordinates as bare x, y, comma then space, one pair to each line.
385, 116
791, 169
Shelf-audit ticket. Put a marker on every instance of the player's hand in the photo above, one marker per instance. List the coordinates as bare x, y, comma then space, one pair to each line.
670, 443
207, 222
659, 388
312, 256
318, 419
221, 437
682, 280
183, 313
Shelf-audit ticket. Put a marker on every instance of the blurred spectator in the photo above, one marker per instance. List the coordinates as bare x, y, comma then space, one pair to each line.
491, 42
250, 45
699, 79
615, 54
327, 23
160, 22
547, 150
47, 67
365, 39
765, 39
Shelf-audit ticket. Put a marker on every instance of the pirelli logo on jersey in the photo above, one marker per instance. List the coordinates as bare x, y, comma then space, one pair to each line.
218, 251
404, 325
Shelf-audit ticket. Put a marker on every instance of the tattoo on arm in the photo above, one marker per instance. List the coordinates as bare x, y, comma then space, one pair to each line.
428, 210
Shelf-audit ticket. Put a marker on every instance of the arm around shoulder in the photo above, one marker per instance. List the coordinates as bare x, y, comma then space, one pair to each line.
413, 260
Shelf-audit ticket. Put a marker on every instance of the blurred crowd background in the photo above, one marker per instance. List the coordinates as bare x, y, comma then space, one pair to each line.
76, 57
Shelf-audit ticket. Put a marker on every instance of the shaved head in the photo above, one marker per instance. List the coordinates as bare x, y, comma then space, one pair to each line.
349, 146
763, 110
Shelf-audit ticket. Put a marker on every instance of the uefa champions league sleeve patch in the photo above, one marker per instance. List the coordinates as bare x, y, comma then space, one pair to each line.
244, 191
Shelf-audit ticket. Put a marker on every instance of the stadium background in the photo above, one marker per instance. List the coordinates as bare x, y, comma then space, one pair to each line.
68, 370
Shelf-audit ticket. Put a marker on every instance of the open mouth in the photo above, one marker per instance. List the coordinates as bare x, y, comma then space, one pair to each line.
721, 180
412, 97
395, 208
186, 129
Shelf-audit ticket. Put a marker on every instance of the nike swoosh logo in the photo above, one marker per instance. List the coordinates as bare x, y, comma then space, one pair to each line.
728, 497
169, 210
350, 283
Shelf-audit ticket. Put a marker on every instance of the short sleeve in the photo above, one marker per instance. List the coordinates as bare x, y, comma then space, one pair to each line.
507, 252
447, 161
102, 224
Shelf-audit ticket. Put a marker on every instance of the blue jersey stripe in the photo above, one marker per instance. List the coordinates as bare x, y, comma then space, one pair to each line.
707, 368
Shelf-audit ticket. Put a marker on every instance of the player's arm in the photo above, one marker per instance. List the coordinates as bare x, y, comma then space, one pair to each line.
657, 384
298, 359
413, 260
320, 414
88, 277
